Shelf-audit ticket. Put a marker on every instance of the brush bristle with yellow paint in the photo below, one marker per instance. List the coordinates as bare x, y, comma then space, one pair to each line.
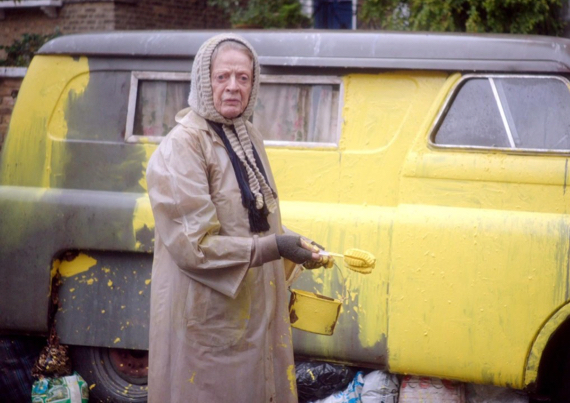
357, 260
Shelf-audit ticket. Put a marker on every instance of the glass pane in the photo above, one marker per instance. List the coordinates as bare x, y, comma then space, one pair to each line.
157, 105
297, 112
540, 111
473, 118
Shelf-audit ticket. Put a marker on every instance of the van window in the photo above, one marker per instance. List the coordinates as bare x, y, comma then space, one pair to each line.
290, 110
302, 109
511, 112
157, 104
154, 100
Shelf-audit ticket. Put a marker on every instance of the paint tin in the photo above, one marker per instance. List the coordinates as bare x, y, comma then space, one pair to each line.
313, 313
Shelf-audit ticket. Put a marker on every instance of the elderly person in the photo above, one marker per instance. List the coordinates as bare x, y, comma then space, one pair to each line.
219, 328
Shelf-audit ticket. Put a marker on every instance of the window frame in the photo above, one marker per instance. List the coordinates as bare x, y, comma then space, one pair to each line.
132, 138
444, 109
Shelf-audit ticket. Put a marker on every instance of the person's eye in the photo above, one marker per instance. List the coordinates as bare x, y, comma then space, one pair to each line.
244, 78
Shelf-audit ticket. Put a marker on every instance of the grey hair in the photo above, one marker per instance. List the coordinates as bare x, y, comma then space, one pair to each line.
231, 45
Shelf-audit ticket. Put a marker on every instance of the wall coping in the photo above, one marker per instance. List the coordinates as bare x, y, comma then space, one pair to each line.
13, 71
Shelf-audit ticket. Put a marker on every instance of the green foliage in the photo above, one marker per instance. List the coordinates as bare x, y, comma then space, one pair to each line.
20, 52
263, 13
497, 16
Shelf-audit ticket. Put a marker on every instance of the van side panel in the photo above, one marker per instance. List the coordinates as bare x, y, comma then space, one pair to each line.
25, 168
483, 239
69, 184
357, 207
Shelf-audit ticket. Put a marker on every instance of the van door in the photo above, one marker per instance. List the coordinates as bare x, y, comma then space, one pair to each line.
481, 239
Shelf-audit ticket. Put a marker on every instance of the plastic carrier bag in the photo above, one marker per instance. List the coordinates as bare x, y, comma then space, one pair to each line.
352, 394
317, 380
67, 389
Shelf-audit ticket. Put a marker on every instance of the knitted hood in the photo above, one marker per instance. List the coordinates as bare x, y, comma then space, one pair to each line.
201, 99
257, 196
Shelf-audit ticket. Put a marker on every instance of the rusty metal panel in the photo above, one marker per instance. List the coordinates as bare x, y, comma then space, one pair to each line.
105, 299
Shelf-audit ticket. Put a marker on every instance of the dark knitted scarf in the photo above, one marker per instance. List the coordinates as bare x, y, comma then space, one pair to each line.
257, 218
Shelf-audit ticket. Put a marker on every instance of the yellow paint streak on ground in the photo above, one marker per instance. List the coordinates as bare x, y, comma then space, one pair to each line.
81, 263
191, 380
117, 340
92, 386
292, 379
147, 282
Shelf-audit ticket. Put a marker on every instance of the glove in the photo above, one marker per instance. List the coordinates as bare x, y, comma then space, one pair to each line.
290, 247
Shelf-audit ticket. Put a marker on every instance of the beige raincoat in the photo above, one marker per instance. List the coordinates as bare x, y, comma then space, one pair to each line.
219, 329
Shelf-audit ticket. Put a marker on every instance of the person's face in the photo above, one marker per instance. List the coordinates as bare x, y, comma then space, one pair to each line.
232, 75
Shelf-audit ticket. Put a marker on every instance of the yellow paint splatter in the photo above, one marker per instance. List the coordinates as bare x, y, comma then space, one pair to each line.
147, 282
191, 380
292, 380
71, 289
90, 281
142, 216
92, 386
118, 339
106, 270
140, 292
102, 311
110, 283
54, 268
81, 263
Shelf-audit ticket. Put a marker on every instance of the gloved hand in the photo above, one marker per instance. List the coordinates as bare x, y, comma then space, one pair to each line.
323, 261
291, 247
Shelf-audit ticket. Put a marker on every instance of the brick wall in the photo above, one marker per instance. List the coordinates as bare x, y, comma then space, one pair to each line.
10, 81
167, 14
103, 15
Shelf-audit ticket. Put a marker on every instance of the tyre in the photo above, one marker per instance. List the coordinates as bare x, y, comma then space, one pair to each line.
113, 375
553, 382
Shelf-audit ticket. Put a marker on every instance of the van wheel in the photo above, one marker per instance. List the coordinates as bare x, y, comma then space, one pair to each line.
113, 375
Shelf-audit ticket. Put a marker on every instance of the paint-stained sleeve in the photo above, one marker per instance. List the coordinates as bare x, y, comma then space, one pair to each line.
186, 219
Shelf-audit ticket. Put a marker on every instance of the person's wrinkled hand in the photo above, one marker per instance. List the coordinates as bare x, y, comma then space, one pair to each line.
325, 261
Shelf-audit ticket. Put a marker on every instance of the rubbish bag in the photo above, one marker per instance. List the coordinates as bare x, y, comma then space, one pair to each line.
317, 380
67, 389
352, 394
380, 387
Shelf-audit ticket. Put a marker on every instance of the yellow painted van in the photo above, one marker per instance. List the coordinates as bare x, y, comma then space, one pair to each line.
444, 155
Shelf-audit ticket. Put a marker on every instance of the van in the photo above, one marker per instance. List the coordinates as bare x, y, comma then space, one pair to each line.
444, 155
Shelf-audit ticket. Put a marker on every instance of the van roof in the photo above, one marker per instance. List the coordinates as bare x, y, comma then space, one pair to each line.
350, 49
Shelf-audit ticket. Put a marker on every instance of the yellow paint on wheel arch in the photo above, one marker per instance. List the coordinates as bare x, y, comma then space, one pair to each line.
79, 264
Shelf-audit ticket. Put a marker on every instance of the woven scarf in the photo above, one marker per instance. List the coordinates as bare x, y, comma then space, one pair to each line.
235, 132
257, 217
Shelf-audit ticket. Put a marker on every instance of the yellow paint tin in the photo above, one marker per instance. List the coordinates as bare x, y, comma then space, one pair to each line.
313, 313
